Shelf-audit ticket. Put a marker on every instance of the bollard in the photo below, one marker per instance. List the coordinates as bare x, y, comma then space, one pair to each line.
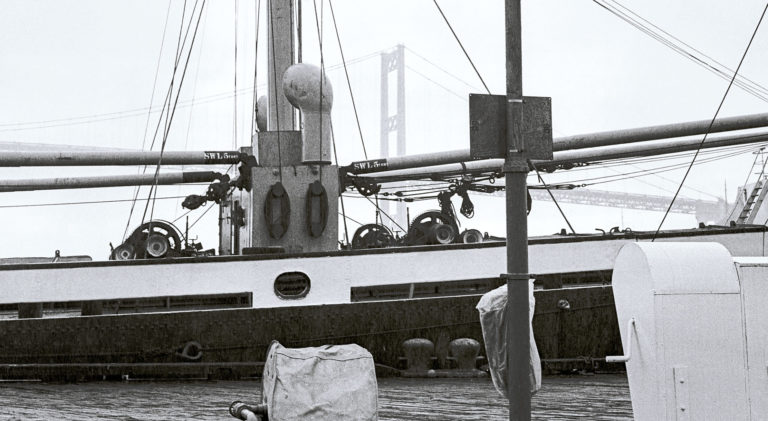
418, 353
464, 351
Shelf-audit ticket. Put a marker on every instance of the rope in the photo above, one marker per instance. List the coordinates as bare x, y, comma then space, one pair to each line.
461, 45
234, 91
711, 123
349, 84
541, 180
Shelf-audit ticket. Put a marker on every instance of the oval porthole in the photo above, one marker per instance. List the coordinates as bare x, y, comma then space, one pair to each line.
292, 285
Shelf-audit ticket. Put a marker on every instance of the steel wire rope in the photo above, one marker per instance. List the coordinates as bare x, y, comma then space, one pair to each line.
704, 138
436, 83
686, 54
551, 195
137, 112
385, 214
462, 46
191, 108
172, 112
234, 89
255, 66
166, 106
441, 69
722, 155
466, 54
755, 85
88, 202
665, 168
149, 109
341, 196
346, 74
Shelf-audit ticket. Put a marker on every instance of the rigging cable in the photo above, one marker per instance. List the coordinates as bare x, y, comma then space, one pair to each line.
172, 111
541, 180
149, 111
484, 85
442, 69
711, 123
341, 197
255, 67
461, 45
749, 86
346, 74
164, 111
234, 90
89, 202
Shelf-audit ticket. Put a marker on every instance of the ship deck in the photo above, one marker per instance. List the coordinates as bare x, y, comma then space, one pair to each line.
599, 397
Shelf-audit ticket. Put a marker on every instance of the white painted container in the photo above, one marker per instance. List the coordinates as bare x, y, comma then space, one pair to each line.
698, 346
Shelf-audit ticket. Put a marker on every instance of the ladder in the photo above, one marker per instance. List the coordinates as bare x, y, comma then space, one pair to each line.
749, 212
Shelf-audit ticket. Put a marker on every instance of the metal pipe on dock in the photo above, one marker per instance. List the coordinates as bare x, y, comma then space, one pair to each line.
582, 141
604, 153
107, 158
31, 184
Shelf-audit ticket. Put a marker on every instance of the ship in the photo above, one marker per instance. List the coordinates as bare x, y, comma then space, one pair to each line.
164, 306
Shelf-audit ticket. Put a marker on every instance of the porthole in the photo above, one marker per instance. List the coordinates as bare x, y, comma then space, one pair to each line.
292, 285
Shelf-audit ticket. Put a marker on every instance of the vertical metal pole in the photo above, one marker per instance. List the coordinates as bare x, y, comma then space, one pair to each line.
516, 171
384, 110
280, 46
400, 212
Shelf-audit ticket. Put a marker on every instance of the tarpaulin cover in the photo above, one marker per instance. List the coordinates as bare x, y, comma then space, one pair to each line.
493, 309
333, 382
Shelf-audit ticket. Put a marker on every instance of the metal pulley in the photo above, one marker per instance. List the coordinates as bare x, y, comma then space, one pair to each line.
151, 240
432, 227
370, 236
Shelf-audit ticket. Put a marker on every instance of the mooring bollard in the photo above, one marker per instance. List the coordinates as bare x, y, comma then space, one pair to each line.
464, 352
418, 354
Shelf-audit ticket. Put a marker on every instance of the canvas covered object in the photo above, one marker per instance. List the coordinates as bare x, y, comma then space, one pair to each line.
493, 308
332, 382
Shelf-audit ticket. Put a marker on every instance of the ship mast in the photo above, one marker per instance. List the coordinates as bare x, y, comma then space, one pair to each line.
515, 174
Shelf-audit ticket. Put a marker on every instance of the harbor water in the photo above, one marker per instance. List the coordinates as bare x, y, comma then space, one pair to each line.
599, 397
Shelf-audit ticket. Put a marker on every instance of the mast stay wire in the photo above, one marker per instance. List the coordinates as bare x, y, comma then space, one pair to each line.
551, 196
255, 66
234, 90
346, 74
163, 112
172, 111
466, 54
711, 123
149, 111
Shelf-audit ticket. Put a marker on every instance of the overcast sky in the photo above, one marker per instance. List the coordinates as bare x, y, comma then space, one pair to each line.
83, 73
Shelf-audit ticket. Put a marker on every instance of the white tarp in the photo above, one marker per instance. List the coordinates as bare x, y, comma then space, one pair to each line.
493, 309
332, 382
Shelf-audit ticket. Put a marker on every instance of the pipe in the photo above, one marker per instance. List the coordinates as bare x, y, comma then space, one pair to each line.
627, 346
106, 181
583, 141
74, 158
572, 156
666, 131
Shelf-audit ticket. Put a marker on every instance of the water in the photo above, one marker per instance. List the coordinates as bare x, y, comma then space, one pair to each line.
601, 397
